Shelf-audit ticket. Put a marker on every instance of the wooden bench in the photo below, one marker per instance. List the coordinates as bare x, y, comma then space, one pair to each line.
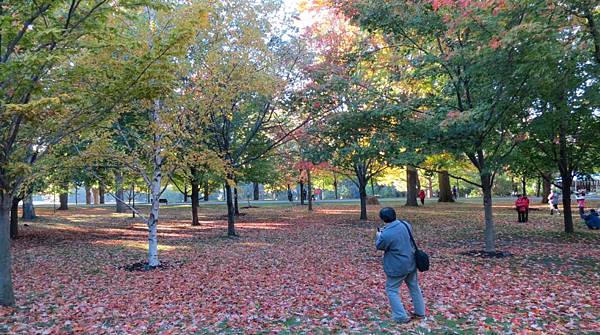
163, 201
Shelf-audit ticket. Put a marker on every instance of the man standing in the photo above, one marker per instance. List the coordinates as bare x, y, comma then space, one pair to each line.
399, 265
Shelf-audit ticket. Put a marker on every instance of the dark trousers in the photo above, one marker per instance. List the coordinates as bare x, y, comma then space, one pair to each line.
422, 201
523, 216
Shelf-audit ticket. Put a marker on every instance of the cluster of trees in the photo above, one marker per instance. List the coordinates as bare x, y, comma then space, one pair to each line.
113, 94
118, 94
503, 86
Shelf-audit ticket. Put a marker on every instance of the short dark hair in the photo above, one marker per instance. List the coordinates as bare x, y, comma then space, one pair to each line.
387, 214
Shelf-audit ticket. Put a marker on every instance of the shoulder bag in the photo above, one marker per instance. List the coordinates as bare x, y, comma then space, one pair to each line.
421, 258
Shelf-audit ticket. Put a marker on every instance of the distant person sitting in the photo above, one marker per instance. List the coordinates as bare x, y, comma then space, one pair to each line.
592, 220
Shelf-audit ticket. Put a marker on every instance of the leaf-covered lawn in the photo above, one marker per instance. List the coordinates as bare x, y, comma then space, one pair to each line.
295, 272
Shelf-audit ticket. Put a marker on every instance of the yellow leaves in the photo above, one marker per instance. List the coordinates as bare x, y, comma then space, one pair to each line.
203, 19
37, 109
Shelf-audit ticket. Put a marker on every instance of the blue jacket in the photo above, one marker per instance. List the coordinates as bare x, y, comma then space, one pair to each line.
399, 256
592, 221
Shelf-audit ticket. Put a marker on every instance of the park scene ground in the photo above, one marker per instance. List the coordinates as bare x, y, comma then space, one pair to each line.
296, 272
224, 167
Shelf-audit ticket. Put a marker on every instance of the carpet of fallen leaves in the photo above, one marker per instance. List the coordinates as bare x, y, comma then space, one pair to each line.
294, 272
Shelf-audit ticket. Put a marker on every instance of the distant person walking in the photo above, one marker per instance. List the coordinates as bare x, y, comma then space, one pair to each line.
580, 197
422, 197
399, 265
455, 192
553, 202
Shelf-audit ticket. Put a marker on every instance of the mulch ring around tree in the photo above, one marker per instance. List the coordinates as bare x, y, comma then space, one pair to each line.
143, 266
485, 254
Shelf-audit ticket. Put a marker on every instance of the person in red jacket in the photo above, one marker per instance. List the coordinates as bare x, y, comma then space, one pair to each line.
422, 197
522, 206
525, 208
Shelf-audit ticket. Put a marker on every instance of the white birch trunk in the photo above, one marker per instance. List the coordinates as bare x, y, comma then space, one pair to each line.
155, 189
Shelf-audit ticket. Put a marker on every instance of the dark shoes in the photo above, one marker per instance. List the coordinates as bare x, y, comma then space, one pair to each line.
413, 317
403, 321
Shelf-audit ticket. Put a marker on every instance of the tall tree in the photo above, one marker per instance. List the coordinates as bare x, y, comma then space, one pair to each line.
472, 107
43, 37
241, 71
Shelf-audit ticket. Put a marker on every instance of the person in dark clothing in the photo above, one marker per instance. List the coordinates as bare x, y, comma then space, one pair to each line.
592, 220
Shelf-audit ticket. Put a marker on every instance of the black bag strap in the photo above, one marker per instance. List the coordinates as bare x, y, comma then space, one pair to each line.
410, 234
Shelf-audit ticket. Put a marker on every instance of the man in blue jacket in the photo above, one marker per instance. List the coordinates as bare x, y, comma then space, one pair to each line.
399, 264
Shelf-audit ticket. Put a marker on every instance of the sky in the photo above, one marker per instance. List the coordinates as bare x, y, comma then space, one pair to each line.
305, 19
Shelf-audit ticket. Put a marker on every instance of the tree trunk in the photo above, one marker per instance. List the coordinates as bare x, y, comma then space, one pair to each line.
362, 190
256, 192
546, 187
195, 199
301, 193
335, 186
594, 31
28, 209
372, 187
206, 191
524, 186
101, 193
445, 188
309, 191
88, 195
96, 195
235, 201
411, 186
490, 231
119, 192
230, 210
7, 296
64, 201
153, 221
133, 200
430, 187
185, 194
14, 218
538, 187
155, 188
566, 202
